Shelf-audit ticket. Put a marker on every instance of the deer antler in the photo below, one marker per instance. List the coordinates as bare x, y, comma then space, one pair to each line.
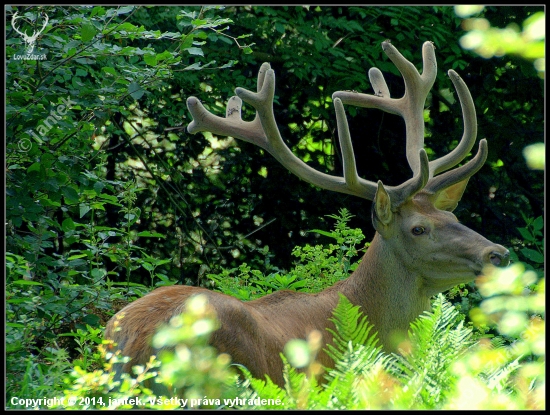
411, 107
263, 130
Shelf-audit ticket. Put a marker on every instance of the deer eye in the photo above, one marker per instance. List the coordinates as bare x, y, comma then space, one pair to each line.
418, 230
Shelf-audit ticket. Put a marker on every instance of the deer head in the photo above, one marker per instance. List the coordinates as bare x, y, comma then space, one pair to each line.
29, 40
419, 248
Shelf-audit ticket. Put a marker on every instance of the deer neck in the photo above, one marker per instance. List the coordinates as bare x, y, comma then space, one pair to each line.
389, 293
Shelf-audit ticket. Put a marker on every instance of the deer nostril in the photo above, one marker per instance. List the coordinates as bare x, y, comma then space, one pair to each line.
499, 259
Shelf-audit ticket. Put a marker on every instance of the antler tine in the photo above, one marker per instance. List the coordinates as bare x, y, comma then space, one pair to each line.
461, 173
412, 186
263, 132
417, 88
411, 105
379, 85
352, 179
203, 120
470, 128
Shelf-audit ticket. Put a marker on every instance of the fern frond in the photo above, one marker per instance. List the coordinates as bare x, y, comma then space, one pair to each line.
351, 326
354, 349
497, 342
263, 389
438, 338
302, 390
343, 391
327, 398
499, 380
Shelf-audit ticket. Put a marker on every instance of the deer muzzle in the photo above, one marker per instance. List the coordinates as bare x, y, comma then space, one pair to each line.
498, 256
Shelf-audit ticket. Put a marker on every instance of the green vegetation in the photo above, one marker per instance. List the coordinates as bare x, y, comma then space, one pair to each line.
443, 365
108, 197
318, 266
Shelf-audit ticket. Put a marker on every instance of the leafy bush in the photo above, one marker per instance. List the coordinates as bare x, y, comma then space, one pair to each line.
318, 266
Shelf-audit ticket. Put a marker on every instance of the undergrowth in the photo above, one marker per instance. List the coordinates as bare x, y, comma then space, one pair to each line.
491, 359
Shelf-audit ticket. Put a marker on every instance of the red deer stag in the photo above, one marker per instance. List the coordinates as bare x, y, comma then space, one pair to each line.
419, 248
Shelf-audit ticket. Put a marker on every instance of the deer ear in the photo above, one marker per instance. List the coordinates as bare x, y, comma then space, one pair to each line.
448, 198
381, 208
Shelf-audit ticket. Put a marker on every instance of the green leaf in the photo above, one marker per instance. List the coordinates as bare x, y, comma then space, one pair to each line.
98, 273
533, 255
85, 61
352, 327
49, 203
84, 209
148, 234
27, 282
129, 284
87, 31
34, 167
127, 27
97, 11
15, 325
109, 70
125, 10
91, 319
150, 60
164, 55
81, 72
438, 339
68, 225
321, 232
135, 90
195, 51
538, 223
76, 256
70, 194
199, 22
194, 66
526, 234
